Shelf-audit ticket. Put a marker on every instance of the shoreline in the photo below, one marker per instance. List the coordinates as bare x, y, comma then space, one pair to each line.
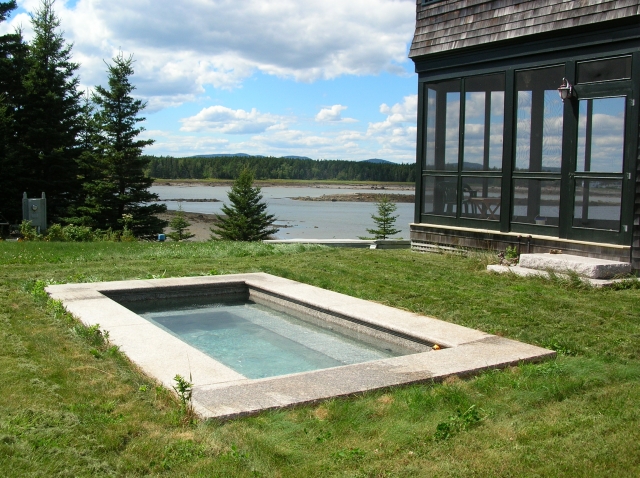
200, 224
263, 183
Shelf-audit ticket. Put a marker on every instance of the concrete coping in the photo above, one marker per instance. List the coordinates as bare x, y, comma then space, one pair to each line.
220, 392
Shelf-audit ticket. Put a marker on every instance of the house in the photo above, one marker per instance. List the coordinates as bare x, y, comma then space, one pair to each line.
528, 126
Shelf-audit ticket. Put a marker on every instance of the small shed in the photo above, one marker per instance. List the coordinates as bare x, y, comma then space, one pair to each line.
528, 126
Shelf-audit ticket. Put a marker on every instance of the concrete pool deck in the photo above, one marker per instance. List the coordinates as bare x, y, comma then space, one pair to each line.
220, 392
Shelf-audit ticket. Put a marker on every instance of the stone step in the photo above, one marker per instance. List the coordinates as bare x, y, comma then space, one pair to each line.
521, 271
583, 266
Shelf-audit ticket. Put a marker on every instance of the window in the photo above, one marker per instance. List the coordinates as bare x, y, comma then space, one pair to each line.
463, 145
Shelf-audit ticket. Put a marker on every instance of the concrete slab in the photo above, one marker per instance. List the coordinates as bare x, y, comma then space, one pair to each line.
220, 392
584, 266
357, 243
524, 272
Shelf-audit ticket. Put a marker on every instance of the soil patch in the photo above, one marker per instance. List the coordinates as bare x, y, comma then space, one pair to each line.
359, 197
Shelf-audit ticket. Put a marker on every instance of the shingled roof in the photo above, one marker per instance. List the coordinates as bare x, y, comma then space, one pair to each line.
448, 25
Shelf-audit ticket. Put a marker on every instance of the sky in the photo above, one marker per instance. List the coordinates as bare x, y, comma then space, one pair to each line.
326, 80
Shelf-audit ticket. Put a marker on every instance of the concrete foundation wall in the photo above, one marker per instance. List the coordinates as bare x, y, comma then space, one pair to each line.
427, 238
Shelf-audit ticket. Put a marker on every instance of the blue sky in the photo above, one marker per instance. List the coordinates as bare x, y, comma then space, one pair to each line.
327, 80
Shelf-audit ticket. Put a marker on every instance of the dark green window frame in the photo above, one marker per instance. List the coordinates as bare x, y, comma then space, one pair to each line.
566, 176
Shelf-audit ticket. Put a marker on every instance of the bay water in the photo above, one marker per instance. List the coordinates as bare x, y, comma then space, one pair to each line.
297, 219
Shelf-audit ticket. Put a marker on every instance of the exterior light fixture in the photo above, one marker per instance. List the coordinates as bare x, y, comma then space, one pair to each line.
565, 90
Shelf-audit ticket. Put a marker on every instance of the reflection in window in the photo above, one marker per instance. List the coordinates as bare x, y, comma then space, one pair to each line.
481, 198
442, 123
536, 201
539, 120
452, 131
523, 130
474, 116
496, 131
430, 136
440, 195
483, 123
552, 131
598, 204
601, 135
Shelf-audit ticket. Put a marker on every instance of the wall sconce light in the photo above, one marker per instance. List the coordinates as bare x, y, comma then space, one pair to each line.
565, 90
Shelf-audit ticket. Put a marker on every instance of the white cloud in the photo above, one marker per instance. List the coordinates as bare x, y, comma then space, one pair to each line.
221, 119
182, 145
398, 131
333, 115
181, 47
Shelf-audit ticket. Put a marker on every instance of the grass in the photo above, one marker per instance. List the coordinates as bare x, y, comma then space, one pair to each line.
72, 405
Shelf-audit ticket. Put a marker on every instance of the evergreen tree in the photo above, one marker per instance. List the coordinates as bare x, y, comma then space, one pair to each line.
384, 220
119, 186
47, 119
179, 225
13, 52
246, 218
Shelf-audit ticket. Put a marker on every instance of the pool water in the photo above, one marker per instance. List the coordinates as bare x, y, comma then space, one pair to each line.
258, 341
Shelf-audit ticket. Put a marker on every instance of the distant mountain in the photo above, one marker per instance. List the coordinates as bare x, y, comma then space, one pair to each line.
297, 157
377, 161
244, 155
237, 155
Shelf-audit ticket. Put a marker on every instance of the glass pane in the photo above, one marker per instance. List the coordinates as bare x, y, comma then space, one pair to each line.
597, 204
539, 120
604, 70
452, 131
523, 131
483, 123
481, 198
552, 132
442, 125
474, 115
440, 195
430, 133
497, 131
536, 201
601, 135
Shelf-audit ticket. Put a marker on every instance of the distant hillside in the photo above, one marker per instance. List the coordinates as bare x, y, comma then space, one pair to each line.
236, 155
298, 157
377, 161
266, 167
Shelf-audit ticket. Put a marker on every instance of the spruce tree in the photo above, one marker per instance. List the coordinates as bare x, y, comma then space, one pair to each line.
385, 219
179, 225
47, 119
119, 186
246, 218
13, 52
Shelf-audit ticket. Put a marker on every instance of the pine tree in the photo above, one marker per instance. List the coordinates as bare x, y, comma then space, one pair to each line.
47, 119
119, 186
246, 218
384, 220
13, 52
179, 225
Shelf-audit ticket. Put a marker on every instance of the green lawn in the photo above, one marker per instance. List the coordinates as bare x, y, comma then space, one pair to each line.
72, 406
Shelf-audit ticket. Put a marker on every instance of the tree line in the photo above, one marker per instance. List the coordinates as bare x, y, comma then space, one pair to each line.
277, 168
81, 149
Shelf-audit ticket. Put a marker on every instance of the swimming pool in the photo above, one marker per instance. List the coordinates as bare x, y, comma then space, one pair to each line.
221, 389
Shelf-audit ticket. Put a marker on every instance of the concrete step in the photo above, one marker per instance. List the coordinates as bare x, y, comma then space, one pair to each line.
584, 266
521, 271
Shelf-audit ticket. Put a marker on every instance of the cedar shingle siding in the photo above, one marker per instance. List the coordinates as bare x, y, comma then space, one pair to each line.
448, 25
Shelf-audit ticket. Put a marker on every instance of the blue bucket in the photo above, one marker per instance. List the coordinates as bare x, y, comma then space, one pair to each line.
161, 237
